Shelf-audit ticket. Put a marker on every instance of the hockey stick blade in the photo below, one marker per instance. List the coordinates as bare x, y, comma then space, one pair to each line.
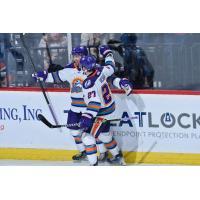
46, 122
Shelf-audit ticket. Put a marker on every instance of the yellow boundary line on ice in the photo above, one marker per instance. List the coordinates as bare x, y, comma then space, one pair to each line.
130, 157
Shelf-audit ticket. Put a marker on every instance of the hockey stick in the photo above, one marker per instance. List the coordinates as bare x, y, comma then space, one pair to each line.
147, 153
40, 82
47, 48
50, 125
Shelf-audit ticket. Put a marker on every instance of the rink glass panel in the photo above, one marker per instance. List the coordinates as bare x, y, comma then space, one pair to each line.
174, 57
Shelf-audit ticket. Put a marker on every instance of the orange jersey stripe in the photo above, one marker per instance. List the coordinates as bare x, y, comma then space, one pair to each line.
91, 149
93, 106
111, 144
78, 102
78, 139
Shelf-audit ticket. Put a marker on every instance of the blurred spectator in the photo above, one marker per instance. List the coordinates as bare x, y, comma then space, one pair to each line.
138, 69
5, 79
11, 60
106, 37
92, 41
2, 70
115, 46
57, 43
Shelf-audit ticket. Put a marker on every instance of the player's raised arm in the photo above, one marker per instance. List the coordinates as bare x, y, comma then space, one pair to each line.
55, 74
121, 83
109, 67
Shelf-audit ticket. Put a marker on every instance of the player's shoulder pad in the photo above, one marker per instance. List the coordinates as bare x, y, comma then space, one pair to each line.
90, 81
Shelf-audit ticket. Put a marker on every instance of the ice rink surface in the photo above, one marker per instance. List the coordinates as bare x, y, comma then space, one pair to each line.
50, 163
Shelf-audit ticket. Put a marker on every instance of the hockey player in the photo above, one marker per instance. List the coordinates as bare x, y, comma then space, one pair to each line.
100, 106
73, 74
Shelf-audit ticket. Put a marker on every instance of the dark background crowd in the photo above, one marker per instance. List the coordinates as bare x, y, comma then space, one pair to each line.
149, 61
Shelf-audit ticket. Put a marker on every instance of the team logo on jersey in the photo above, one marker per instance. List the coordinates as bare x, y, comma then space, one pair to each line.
88, 83
77, 85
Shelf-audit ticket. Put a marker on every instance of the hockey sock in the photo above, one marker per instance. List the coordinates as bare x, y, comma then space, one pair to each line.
78, 140
100, 145
91, 152
112, 147
79, 144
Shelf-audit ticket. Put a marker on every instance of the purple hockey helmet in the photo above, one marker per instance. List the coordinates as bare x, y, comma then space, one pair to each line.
80, 50
88, 62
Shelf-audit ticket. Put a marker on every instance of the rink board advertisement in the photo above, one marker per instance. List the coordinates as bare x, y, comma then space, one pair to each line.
165, 128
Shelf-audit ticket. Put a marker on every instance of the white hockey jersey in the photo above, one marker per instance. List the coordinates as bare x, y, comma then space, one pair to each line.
75, 77
97, 93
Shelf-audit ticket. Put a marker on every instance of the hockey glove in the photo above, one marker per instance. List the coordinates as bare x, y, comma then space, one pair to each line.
104, 50
41, 75
126, 85
86, 123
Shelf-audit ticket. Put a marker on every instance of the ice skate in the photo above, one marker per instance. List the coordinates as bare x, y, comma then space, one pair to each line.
80, 156
117, 160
